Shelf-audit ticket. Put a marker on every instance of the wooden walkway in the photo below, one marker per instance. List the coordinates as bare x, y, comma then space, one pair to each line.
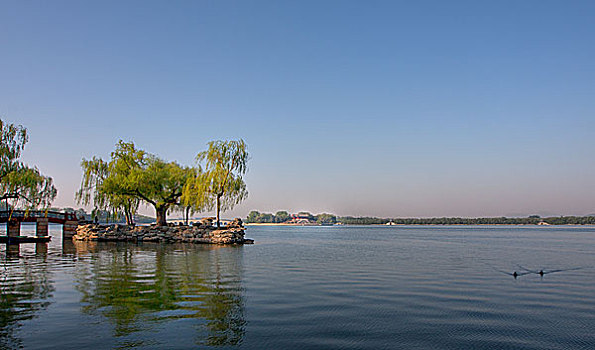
42, 219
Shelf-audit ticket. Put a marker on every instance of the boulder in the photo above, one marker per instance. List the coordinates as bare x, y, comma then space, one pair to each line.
207, 221
236, 223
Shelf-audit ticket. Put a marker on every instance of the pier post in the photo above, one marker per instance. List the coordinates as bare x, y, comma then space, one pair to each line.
41, 229
68, 247
14, 228
13, 250
41, 248
69, 229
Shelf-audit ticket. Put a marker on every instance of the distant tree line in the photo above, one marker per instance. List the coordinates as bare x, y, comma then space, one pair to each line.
283, 216
350, 220
267, 218
532, 220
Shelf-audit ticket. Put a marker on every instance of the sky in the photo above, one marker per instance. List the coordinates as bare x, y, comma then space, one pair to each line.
363, 108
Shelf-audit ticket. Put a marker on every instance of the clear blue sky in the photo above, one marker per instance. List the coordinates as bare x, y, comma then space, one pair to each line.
384, 108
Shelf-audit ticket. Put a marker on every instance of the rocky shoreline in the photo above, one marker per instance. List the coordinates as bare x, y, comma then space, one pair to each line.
202, 232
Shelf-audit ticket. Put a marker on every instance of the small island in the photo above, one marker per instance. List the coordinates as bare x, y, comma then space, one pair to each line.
202, 232
133, 176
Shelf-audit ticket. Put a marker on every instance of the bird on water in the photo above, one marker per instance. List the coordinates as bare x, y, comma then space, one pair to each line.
543, 272
514, 273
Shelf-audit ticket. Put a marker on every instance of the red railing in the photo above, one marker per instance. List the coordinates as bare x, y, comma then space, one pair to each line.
34, 214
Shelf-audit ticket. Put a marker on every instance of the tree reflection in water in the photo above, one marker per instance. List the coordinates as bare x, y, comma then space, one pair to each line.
146, 287
25, 287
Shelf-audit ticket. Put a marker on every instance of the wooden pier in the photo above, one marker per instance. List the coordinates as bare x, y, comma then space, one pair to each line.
41, 218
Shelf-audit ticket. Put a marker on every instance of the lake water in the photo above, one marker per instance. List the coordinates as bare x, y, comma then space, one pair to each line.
306, 288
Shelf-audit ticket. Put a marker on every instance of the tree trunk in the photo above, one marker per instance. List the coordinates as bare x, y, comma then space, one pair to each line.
128, 217
161, 213
187, 214
218, 210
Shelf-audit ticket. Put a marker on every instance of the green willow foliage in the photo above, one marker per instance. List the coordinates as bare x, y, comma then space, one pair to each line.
133, 176
96, 172
21, 185
130, 177
221, 185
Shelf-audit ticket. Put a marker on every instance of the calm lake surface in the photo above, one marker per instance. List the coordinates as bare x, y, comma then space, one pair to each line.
307, 287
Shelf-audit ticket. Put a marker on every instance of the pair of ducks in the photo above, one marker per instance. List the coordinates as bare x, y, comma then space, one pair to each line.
540, 272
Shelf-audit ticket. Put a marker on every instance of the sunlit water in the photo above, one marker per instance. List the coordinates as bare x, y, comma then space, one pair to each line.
307, 287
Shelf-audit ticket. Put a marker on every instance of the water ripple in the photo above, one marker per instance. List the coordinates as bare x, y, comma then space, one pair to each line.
307, 287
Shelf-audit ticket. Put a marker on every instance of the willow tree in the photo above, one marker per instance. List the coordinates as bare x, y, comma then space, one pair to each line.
19, 183
221, 184
193, 199
92, 191
159, 184
133, 176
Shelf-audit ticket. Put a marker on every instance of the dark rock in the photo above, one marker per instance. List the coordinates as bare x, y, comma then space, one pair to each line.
236, 223
207, 221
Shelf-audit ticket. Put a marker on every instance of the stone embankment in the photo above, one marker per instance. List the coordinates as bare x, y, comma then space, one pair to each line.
202, 232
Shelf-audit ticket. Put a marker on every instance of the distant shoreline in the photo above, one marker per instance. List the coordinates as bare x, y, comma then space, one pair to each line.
281, 224
401, 225
305, 218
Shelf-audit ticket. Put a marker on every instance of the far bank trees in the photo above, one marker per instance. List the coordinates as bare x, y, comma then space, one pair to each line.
283, 216
133, 176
